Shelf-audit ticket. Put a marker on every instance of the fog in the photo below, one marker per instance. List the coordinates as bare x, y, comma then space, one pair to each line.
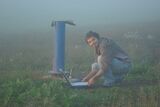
23, 16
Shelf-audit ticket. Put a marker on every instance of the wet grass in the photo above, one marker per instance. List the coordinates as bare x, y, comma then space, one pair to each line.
21, 83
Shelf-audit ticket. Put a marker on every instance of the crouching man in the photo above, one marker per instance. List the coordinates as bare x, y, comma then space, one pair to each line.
112, 62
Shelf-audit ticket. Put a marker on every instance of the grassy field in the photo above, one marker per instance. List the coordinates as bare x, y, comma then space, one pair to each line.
24, 60
26, 89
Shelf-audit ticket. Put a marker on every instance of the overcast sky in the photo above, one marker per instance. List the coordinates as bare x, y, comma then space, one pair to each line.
36, 15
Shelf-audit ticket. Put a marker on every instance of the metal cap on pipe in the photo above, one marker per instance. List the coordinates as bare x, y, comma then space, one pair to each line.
70, 22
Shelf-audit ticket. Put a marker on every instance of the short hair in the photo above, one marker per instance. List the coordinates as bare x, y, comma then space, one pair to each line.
91, 34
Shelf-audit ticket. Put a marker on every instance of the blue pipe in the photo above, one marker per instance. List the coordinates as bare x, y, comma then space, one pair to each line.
59, 46
59, 50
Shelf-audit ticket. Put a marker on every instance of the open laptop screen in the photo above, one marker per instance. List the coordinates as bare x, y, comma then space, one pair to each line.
66, 78
74, 83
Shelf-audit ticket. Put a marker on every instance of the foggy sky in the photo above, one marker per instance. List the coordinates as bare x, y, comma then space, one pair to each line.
36, 15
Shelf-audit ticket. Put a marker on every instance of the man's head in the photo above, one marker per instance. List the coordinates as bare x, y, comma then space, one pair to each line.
92, 38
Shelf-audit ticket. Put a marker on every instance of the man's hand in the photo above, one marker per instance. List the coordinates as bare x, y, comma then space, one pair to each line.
91, 81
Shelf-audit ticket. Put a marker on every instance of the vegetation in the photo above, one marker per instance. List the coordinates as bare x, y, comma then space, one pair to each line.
22, 89
24, 60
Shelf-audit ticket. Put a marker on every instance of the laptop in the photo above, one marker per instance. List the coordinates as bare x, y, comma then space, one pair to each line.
75, 84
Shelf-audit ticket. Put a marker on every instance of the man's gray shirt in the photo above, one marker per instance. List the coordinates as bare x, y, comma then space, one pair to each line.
107, 49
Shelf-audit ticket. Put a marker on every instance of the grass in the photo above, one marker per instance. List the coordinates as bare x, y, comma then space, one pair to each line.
21, 85
25, 89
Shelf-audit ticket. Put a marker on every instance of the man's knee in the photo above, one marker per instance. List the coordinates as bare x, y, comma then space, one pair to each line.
95, 67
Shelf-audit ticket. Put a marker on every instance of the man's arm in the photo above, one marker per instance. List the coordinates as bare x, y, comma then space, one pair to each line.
95, 77
89, 76
98, 74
